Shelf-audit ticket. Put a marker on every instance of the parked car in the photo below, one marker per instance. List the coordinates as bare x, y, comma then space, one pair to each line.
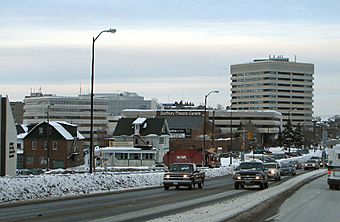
311, 164
297, 164
288, 169
274, 170
159, 167
249, 174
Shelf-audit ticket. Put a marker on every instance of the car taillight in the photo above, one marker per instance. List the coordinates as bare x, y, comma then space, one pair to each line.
329, 173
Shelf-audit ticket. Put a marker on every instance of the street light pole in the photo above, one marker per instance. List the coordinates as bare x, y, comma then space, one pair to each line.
204, 123
231, 136
92, 95
48, 138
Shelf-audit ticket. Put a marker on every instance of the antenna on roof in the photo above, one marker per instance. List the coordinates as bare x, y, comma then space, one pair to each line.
80, 89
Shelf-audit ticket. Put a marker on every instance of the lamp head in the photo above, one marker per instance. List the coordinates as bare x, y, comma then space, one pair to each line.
111, 30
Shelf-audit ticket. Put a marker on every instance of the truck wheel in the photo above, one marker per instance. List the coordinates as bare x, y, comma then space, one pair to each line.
200, 186
266, 185
177, 187
237, 186
242, 186
166, 187
190, 187
262, 186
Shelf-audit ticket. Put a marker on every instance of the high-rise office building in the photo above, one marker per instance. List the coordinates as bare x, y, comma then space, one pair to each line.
274, 84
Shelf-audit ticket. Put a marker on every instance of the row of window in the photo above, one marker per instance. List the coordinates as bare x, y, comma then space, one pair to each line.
131, 156
34, 145
270, 78
271, 96
272, 84
272, 90
273, 102
271, 72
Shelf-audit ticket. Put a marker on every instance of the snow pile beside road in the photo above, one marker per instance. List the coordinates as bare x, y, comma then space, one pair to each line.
60, 185
227, 209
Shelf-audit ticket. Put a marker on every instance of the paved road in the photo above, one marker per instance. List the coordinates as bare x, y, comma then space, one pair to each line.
127, 206
313, 202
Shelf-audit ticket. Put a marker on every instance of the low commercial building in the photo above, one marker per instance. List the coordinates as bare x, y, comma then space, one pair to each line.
188, 124
127, 157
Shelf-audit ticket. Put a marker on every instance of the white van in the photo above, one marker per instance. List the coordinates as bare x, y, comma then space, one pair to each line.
334, 167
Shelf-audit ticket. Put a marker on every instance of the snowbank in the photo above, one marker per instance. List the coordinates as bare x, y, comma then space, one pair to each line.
60, 185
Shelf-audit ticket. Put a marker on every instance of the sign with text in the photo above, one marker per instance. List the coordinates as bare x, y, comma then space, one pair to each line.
180, 113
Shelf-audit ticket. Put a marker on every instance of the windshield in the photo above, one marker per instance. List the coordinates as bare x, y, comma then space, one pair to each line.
181, 168
250, 166
271, 165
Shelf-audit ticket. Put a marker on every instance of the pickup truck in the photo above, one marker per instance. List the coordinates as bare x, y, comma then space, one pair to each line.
183, 174
249, 174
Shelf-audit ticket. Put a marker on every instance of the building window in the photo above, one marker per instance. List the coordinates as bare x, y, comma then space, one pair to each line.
148, 156
45, 145
55, 145
29, 160
161, 140
43, 161
135, 156
121, 156
41, 130
34, 145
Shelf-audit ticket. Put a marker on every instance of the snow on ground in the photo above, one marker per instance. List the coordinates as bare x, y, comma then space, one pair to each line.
227, 209
60, 185
20, 188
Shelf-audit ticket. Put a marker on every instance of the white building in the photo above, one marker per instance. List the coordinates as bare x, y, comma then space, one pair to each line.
8, 139
274, 84
117, 102
76, 110
127, 157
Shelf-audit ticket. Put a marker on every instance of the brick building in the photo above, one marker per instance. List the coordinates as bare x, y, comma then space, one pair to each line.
62, 147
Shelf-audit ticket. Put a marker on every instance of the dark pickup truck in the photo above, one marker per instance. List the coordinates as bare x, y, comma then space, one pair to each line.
183, 174
251, 173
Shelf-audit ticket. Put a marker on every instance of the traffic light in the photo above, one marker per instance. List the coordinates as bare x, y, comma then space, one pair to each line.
250, 135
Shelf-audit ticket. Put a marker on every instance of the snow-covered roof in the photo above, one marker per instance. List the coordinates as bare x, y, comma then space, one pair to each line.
21, 135
63, 132
139, 121
126, 149
66, 134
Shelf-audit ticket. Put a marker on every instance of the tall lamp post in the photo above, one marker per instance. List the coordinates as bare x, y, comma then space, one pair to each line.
204, 122
291, 125
48, 137
231, 136
92, 86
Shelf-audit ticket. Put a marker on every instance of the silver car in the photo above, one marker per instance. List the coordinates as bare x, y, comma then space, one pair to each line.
274, 170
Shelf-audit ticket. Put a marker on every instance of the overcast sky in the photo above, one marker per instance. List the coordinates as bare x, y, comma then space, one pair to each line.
166, 49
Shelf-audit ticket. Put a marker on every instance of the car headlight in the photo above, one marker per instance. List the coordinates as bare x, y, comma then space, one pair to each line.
167, 176
259, 176
313, 164
273, 171
185, 176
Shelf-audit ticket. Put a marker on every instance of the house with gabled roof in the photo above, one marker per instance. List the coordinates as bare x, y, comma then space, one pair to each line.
144, 133
51, 145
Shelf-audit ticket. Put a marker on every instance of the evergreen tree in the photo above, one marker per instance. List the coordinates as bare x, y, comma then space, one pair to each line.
299, 139
287, 136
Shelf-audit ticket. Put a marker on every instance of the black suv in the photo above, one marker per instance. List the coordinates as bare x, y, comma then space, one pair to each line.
251, 173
